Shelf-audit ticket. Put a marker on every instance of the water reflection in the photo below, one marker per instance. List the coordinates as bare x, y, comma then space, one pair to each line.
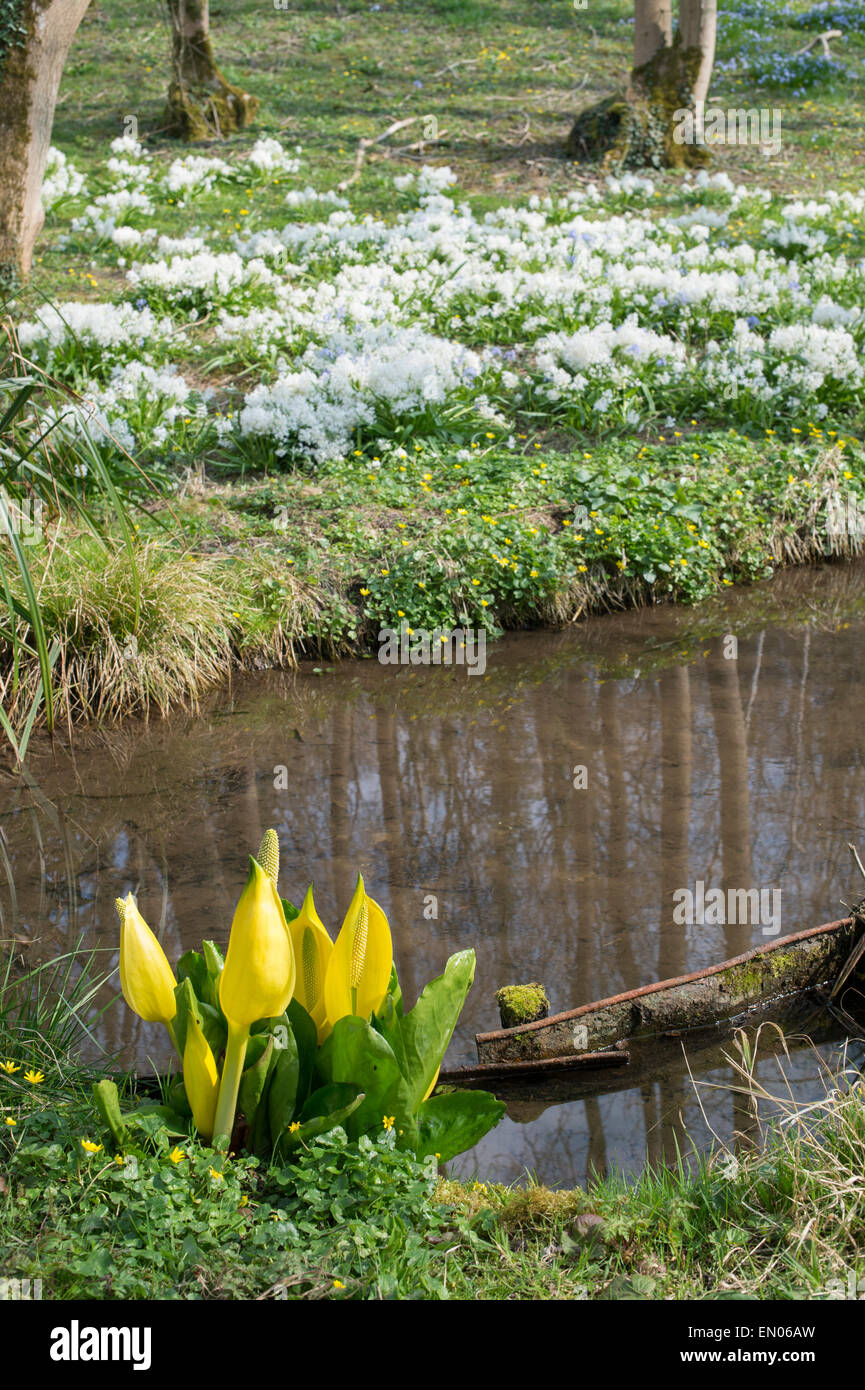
456, 797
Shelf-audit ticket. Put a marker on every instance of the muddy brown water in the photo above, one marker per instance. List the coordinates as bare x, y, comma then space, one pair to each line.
734, 763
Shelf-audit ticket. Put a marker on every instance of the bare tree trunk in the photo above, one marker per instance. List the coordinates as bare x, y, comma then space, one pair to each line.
653, 29
698, 25
202, 104
648, 124
30, 70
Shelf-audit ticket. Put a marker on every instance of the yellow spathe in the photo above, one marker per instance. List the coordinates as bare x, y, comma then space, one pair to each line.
358, 974
259, 975
313, 949
200, 1078
146, 978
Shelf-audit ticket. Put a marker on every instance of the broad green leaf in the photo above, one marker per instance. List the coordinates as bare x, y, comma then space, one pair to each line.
214, 962
253, 1082
177, 1098
306, 1040
388, 1022
394, 990
320, 1124
282, 1097
428, 1028
255, 1049
151, 1119
355, 1052
107, 1102
192, 967
187, 1003
211, 1020
328, 1099
451, 1123
213, 1026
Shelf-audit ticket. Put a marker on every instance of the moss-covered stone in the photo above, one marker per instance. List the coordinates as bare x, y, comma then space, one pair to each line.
519, 1004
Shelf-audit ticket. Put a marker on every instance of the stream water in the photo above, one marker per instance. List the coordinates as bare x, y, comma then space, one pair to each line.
721, 745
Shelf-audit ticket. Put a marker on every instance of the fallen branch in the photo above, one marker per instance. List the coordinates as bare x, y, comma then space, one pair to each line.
367, 142
823, 39
460, 62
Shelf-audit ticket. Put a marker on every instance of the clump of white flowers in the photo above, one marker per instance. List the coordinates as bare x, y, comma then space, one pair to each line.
62, 179
590, 305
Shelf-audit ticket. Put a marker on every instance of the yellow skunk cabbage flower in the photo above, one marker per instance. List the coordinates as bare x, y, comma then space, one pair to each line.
257, 981
200, 1078
313, 949
259, 975
146, 978
359, 971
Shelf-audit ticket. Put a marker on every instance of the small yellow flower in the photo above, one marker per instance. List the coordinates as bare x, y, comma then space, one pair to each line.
34, 1077
338, 1284
388, 1120
294, 1126
89, 1147
119, 1160
177, 1155
215, 1173
9, 1067
364, 593
10, 1122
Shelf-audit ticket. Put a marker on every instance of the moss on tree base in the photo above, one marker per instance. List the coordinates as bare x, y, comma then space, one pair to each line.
636, 129
208, 111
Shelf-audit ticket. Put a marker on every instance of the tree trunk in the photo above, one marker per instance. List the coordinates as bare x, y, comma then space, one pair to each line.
653, 29
31, 65
698, 24
654, 122
202, 105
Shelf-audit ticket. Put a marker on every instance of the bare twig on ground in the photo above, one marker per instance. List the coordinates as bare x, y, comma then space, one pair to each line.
366, 143
821, 39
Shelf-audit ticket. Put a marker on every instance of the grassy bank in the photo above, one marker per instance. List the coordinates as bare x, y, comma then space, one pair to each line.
479, 385
170, 1219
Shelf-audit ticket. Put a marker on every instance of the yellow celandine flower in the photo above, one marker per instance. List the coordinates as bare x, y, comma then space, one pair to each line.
10, 1122
360, 965
177, 1155
215, 1173
200, 1078
119, 1159
338, 1284
10, 1067
34, 1077
388, 1120
295, 1125
89, 1147
313, 949
146, 978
